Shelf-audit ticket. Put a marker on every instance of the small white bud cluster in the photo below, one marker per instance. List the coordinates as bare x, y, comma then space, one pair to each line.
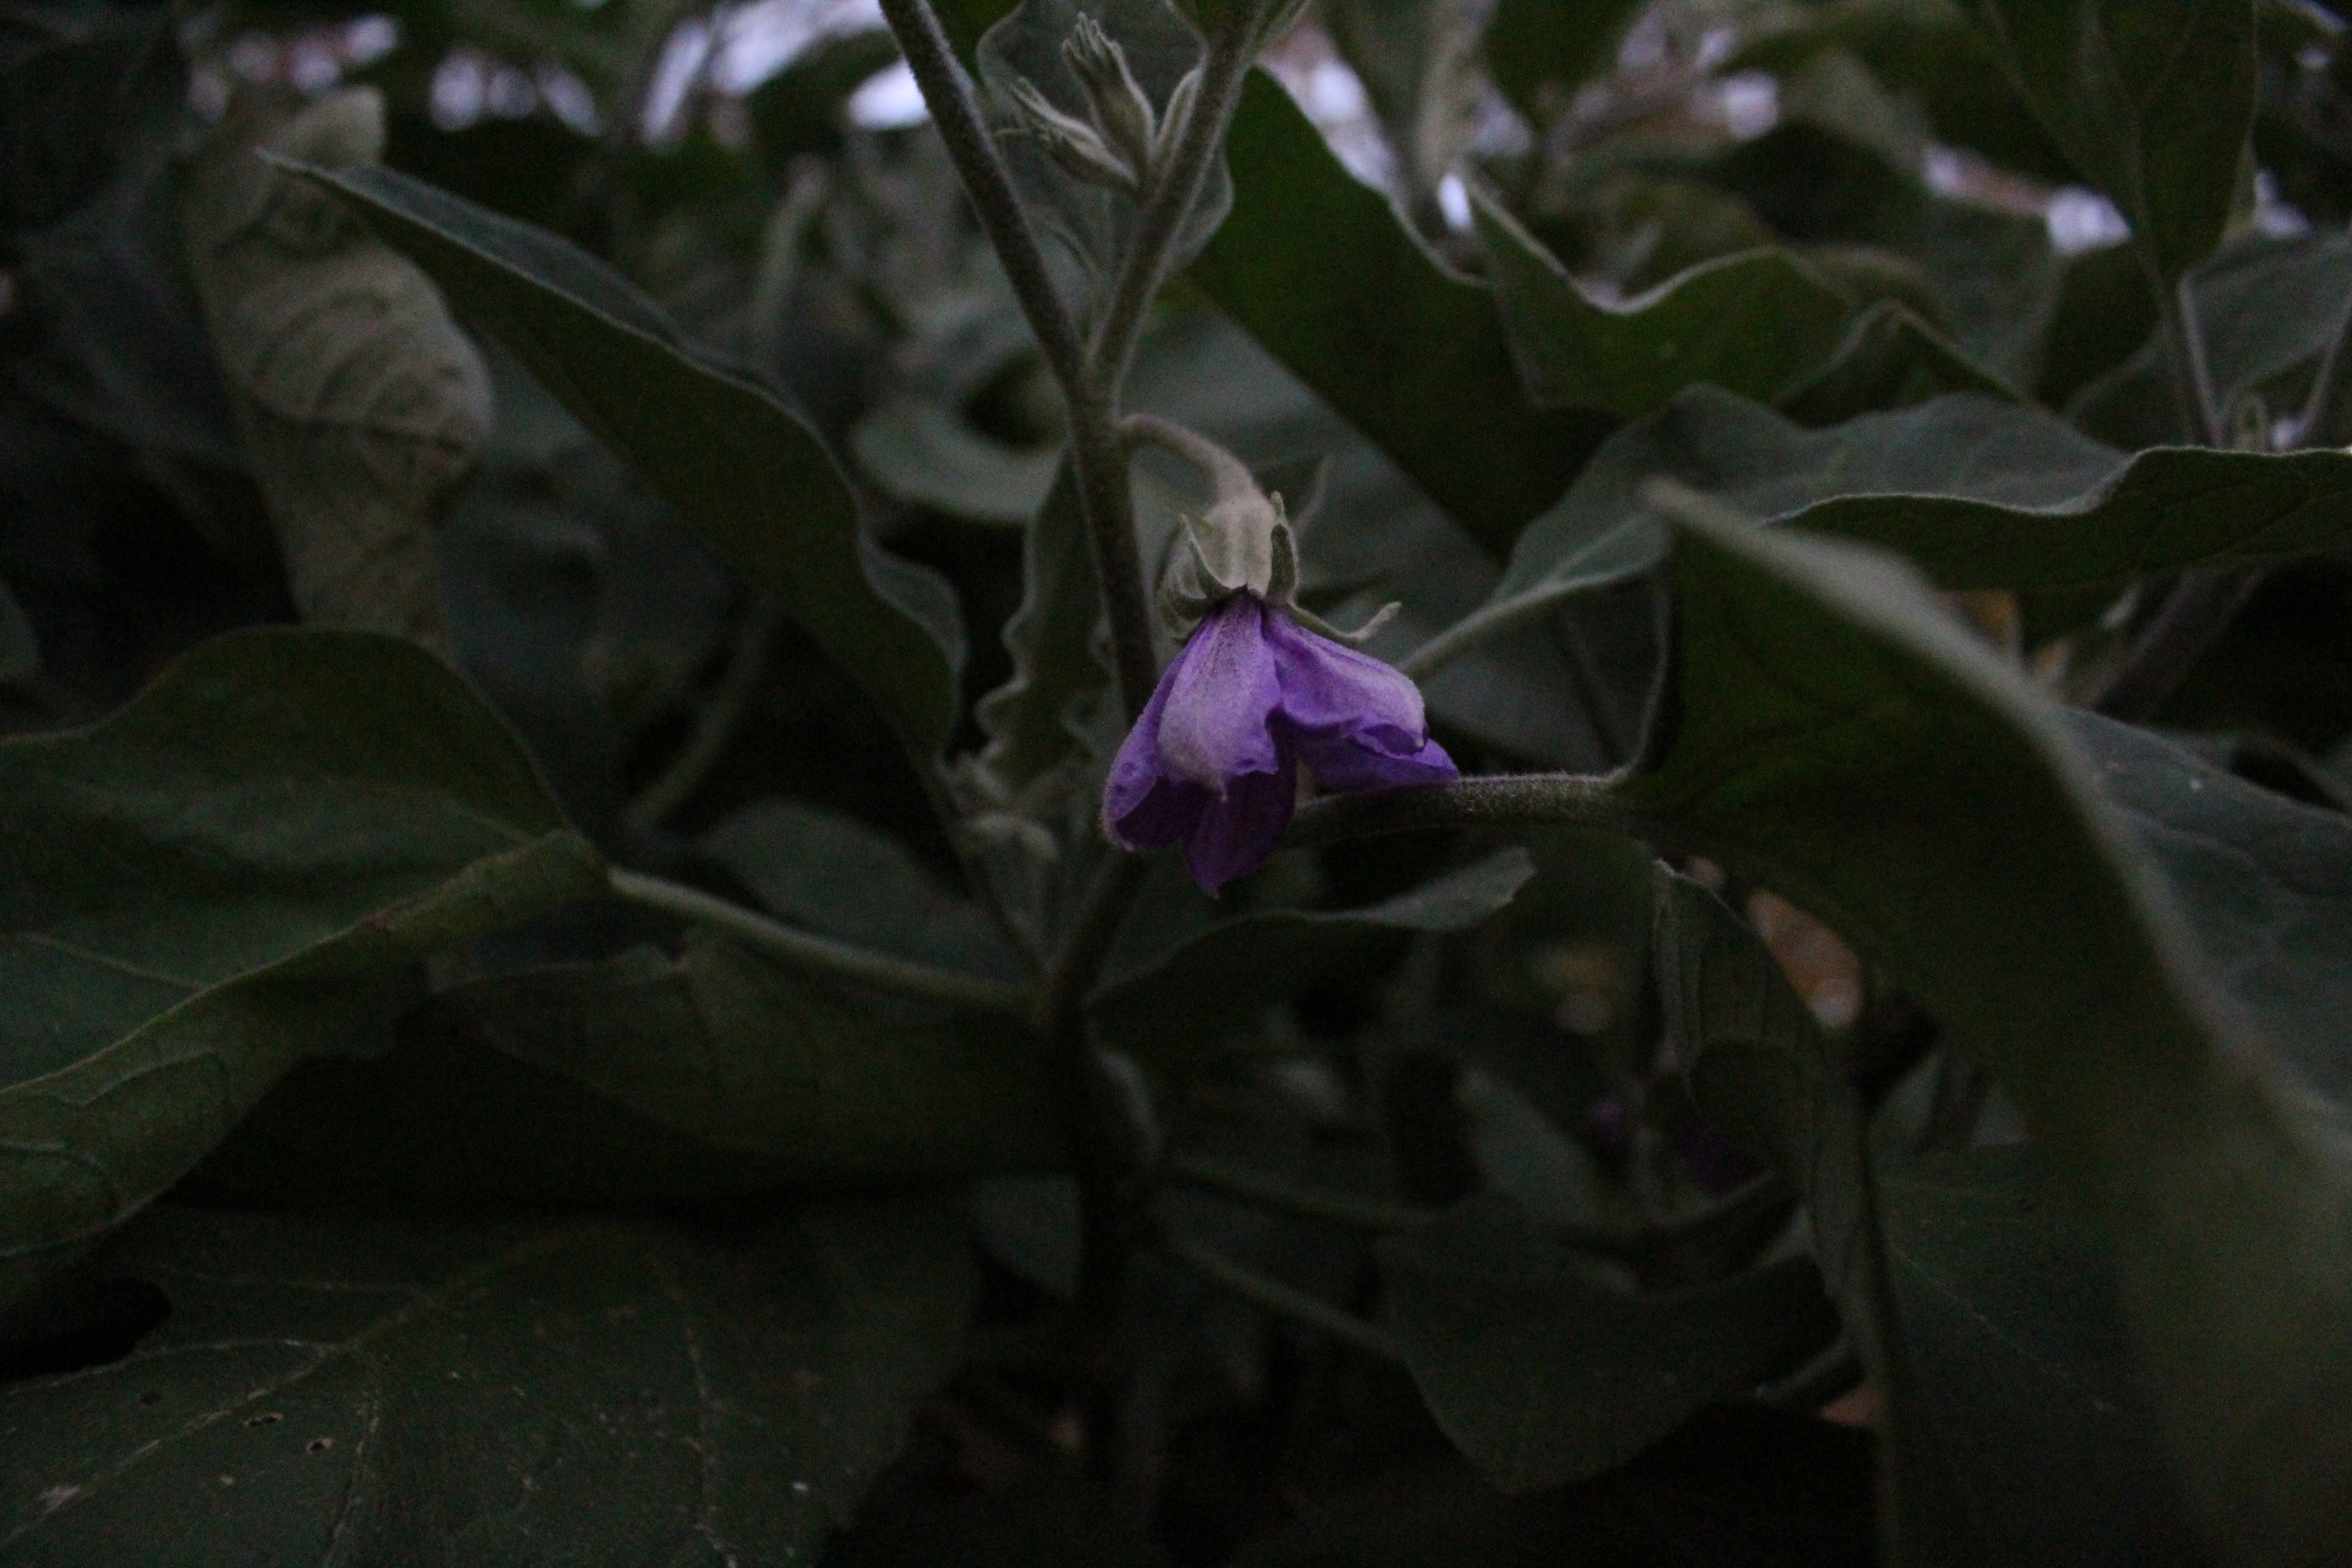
1122, 143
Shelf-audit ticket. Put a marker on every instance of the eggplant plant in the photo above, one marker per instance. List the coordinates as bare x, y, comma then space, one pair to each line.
1374, 782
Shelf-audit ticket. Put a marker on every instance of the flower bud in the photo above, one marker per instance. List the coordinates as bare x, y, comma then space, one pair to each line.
1076, 146
1122, 113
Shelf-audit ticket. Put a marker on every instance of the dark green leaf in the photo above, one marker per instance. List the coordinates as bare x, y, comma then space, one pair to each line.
1844, 740
1988, 1326
2265, 883
1890, 359
1543, 1370
646, 1078
2150, 100
923, 452
741, 469
1756, 323
200, 890
1175, 1003
1322, 272
1052, 640
82, 92
1979, 493
20, 652
380, 1393
823, 870
2015, 1341
2266, 308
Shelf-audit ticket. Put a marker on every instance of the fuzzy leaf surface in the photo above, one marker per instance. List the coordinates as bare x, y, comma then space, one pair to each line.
382, 1393
201, 889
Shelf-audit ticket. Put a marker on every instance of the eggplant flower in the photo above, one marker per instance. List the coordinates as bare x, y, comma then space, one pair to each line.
1261, 689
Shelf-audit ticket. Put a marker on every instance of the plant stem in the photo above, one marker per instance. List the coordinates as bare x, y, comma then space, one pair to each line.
1169, 204
2193, 375
2199, 605
805, 950
716, 724
1093, 1108
1505, 800
1097, 454
1337, 1208
2327, 412
1279, 1298
955, 110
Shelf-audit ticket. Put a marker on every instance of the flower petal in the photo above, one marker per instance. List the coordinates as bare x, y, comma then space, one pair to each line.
1221, 692
1143, 808
1357, 723
1237, 833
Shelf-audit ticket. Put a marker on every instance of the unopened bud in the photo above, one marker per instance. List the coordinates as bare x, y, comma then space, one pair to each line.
1075, 146
1122, 113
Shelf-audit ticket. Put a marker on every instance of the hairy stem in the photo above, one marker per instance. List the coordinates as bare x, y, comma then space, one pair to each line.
2192, 373
805, 950
955, 110
1501, 800
1279, 1298
1169, 204
716, 724
2199, 605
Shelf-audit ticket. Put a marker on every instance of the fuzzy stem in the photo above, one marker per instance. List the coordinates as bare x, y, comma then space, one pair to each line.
1232, 49
955, 110
741, 682
1279, 1298
1500, 800
805, 950
2192, 373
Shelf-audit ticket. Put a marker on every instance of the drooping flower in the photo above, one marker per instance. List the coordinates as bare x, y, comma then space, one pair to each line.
1212, 762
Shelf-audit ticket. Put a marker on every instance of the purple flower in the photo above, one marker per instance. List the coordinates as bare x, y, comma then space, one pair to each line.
1213, 761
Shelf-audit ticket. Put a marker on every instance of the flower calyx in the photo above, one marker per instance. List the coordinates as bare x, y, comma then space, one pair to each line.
1121, 142
1243, 543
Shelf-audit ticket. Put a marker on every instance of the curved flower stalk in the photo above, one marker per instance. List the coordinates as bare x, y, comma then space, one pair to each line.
1261, 687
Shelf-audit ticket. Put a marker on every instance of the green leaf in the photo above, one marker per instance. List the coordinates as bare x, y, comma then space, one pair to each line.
742, 469
1176, 1002
923, 452
2267, 309
824, 870
1542, 1369
1052, 640
381, 1392
1985, 1312
1979, 493
81, 95
1755, 323
20, 651
2150, 100
1890, 359
2013, 1334
1319, 270
200, 888
1160, 48
1845, 741
646, 1078
2265, 883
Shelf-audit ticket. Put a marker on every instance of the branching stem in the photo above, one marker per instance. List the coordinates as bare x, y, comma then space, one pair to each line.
1502, 800
806, 950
